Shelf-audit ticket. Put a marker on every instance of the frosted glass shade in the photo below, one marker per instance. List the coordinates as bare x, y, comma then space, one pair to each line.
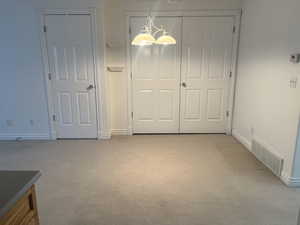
143, 39
166, 40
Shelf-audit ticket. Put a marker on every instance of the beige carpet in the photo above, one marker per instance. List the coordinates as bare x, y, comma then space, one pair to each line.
156, 179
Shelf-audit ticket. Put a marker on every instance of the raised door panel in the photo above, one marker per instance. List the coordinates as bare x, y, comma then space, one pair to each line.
146, 105
143, 62
194, 62
192, 105
215, 104
61, 68
80, 63
65, 106
83, 102
166, 105
167, 62
217, 66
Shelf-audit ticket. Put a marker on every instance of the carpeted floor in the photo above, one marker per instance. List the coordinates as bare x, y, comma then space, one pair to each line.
156, 179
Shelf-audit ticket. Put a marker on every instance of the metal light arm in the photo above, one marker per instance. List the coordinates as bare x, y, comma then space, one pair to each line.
148, 33
150, 27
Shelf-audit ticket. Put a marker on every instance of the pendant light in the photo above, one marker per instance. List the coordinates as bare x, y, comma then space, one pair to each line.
165, 39
143, 39
147, 36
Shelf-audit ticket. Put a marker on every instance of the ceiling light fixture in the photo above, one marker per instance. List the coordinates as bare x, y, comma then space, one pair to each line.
148, 33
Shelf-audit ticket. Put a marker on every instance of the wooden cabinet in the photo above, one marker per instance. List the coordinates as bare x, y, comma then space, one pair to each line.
24, 212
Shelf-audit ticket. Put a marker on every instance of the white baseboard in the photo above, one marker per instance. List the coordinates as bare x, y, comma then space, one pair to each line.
38, 136
243, 140
104, 135
119, 132
290, 181
20, 136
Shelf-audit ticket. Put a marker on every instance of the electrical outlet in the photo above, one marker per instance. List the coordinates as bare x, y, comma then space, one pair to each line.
293, 82
31, 122
10, 123
252, 131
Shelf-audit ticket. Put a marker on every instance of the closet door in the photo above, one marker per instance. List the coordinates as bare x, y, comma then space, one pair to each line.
156, 80
206, 62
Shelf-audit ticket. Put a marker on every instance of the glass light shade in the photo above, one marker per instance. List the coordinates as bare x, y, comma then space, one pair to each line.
143, 39
166, 40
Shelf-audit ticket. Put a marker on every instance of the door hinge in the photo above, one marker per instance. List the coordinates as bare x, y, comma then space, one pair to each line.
132, 115
227, 113
230, 74
233, 30
54, 118
49, 76
131, 75
129, 30
45, 28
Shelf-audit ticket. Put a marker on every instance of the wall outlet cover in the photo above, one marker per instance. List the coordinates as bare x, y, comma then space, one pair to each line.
10, 123
31, 122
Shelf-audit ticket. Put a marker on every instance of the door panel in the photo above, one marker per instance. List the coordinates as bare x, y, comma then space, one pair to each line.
83, 103
214, 104
156, 80
65, 108
143, 62
71, 63
193, 105
166, 108
145, 99
60, 62
206, 61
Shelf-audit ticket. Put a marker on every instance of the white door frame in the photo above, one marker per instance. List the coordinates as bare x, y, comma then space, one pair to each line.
236, 14
100, 82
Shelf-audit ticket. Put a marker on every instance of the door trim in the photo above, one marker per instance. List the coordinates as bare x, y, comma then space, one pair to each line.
236, 14
99, 75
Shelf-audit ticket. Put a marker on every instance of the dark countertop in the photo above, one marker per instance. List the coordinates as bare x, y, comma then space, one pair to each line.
13, 185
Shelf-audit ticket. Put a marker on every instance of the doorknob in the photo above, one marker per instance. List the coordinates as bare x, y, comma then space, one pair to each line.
183, 84
90, 87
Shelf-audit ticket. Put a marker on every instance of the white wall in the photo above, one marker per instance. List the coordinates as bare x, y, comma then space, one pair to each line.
22, 95
22, 90
265, 103
116, 36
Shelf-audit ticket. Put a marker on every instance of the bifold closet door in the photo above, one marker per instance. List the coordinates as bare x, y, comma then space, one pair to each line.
205, 73
71, 64
156, 80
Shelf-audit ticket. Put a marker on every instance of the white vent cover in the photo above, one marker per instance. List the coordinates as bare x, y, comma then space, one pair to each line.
269, 159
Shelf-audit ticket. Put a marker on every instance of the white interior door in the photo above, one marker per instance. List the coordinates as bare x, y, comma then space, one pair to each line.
156, 80
206, 63
71, 64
